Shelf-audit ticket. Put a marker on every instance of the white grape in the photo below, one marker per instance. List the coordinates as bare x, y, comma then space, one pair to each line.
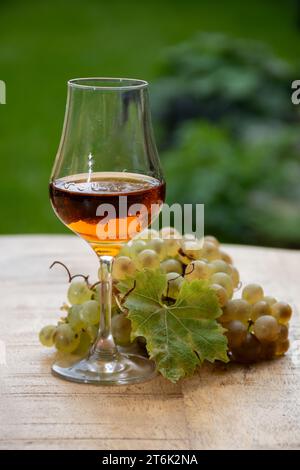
212, 239
197, 270
121, 328
252, 293
123, 267
174, 282
190, 250
282, 312
260, 309
221, 294
171, 265
189, 237
148, 259
90, 312
74, 318
225, 257
169, 232
210, 251
220, 266
78, 292
65, 339
158, 245
269, 299
171, 239
92, 331
135, 247
224, 280
266, 329
235, 276
46, 335
236, 309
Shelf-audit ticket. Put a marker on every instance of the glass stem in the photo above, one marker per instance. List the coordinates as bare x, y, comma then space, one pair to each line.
104, 347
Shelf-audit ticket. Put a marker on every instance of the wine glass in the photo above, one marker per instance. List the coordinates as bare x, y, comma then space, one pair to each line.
107, 157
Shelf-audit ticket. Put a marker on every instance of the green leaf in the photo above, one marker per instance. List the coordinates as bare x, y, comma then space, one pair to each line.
179, 336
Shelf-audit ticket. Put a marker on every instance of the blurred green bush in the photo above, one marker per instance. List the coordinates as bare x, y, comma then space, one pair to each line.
230, 137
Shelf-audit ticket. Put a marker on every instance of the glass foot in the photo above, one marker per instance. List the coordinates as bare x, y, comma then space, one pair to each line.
125, 369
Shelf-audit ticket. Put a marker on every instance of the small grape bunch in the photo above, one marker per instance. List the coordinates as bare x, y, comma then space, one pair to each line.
257, 326
77, 331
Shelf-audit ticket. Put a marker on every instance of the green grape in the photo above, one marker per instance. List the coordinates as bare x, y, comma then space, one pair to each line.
249, 351
74, 318
46, 335
125, 250
220, 266
173, 285
123, 267
221, 294
252, 293
259, 309
84, 344
92, 331
192, 249
266, 329
282, 312
236, 309
283, 333
172, 246
212, 239
78, 292
235, 276
236, 333
223, 280
225, 257
210, 251
282, 347
65, 339
171, 265
90, 312
197, 270
169, 233
121, 328
158, 245
189, 237
270, 300
135, 247
172, 239
148, 259
148, 234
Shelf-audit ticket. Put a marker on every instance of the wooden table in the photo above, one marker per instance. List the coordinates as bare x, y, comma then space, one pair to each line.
219, 408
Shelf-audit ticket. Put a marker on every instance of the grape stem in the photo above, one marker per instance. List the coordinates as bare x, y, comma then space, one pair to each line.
128, 292
69, 273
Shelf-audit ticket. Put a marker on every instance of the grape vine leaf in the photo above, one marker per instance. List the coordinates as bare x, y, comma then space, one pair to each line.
179, 336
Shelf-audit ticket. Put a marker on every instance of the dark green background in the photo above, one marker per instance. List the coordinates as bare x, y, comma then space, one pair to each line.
44, 43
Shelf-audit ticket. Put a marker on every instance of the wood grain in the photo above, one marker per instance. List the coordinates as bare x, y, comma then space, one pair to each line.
221, 407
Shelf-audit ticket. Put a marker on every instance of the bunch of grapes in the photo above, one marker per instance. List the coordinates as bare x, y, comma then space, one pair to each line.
77, 331
256, 325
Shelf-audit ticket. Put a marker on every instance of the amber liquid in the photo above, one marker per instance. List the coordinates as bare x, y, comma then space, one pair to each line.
77, 198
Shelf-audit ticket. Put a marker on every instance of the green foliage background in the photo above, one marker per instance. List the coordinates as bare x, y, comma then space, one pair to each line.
44, 43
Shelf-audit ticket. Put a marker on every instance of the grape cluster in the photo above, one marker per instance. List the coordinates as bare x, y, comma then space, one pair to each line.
78, 329
256, 325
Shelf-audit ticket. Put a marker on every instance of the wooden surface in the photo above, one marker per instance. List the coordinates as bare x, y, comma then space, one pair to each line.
221, 407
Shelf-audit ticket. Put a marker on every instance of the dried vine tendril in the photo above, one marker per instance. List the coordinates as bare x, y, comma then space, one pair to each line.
69, 273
